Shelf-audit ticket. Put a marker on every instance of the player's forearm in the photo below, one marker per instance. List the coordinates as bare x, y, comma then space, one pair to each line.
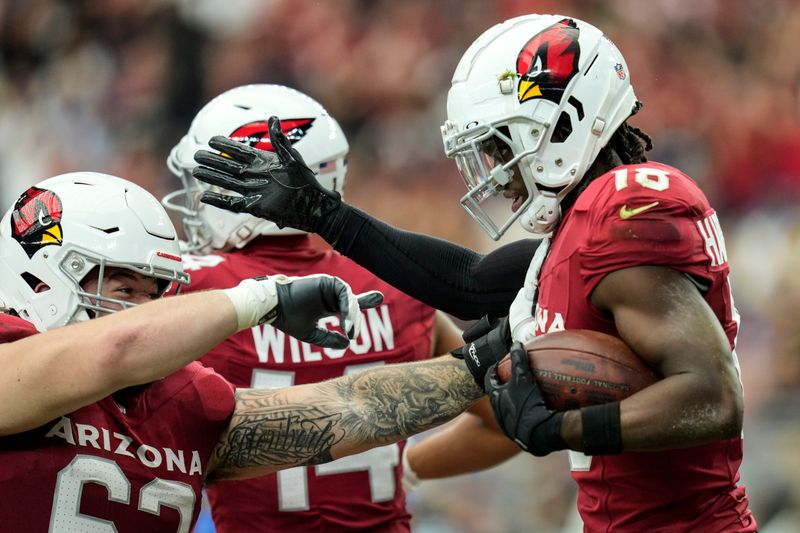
446, 335
391, 403
664, 319
59, 371
163, 336
677, 412
318, 423
469, 445
442, 274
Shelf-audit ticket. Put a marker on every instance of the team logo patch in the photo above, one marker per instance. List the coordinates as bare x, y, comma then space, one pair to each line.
548, 62
256, 134
36, 220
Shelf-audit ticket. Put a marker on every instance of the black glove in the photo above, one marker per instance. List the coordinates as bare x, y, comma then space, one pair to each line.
520, 409
488, 341
278, 187
303, 301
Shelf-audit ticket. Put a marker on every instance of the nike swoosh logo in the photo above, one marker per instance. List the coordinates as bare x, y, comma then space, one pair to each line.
626, 212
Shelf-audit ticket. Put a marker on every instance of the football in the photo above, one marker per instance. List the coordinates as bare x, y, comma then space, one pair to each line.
579, 368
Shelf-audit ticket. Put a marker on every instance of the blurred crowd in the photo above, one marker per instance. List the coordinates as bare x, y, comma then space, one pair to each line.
111, 86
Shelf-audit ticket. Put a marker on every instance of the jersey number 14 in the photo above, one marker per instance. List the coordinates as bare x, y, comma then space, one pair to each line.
380, 463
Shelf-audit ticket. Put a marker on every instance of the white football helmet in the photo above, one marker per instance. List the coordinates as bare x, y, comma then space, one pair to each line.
541, 94
242, 114
63, 228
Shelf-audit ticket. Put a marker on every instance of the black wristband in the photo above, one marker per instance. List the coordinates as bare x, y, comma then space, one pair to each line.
546, 437
602, 429
483, 352
480, 328
478, 356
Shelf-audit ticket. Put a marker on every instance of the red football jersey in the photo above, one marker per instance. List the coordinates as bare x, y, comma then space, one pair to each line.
112, 467
360, 492
647, 214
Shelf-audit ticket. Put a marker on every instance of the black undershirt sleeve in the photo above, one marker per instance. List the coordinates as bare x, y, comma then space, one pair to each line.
442, 274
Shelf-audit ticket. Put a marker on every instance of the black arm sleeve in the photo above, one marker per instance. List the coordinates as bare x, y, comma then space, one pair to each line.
442, 274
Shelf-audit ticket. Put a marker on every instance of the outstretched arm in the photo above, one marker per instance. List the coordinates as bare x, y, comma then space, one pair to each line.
311, 424
280, 187
442, 274
54, 373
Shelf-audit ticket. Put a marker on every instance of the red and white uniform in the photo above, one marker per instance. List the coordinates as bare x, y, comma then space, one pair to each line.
361, 492
109, 467
646, 214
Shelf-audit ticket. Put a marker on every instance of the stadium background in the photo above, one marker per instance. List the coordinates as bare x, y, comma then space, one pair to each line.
111, 86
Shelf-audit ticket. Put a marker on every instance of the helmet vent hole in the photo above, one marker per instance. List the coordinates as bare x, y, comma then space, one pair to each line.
563, 129
245, 107
553, 191
32, 280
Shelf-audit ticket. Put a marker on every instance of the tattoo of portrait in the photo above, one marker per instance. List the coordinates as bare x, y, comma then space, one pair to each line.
314, 424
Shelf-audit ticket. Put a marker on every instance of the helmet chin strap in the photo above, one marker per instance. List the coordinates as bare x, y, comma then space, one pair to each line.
544, 213
542, 216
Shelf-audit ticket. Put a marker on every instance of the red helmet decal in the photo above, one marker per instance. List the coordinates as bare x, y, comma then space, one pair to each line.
548, 62
256, 134
36, 220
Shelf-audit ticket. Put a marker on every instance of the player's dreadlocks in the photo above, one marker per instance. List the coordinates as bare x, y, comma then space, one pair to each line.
629, 143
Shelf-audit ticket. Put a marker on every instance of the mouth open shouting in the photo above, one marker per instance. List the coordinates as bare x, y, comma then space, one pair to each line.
515, 190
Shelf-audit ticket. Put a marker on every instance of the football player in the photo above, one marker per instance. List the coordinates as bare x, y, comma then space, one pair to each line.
538, 117
361, 492
108, 425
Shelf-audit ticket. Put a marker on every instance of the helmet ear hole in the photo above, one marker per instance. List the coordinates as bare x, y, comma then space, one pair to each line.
162, 285
32, 280
563, 129
553, 191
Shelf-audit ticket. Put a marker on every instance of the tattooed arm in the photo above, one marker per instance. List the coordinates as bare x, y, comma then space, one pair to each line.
311, 424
